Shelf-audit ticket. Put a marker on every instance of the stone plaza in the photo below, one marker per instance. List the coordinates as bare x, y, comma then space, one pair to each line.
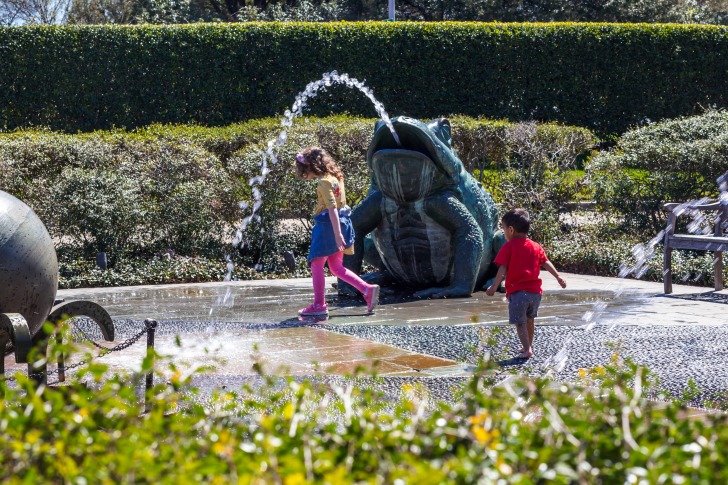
437, 342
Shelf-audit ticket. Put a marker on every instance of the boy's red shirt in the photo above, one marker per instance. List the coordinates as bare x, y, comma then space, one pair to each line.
524, 259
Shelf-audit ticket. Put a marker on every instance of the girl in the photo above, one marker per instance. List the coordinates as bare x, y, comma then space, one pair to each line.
333, 233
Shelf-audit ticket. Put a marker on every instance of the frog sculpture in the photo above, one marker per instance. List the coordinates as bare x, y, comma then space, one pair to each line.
434, 227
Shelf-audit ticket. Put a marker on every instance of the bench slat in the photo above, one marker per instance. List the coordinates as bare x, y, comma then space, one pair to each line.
702, 243
712, 206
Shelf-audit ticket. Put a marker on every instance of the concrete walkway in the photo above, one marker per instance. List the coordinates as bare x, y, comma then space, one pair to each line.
236, 324
618, 301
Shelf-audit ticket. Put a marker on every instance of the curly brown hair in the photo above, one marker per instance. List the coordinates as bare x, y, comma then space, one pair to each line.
319, 162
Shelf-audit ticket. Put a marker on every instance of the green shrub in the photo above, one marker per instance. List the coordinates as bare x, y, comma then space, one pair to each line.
673, 161
120, 193
601, 429
176, 189
527, 165
128, 271
607, 77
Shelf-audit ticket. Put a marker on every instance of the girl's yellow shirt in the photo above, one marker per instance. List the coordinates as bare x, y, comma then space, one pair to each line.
330, 192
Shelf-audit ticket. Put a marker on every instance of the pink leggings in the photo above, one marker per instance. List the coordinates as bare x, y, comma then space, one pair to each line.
336, 265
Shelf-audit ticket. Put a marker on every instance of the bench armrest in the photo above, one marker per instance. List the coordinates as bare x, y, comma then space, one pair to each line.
670, 206
711, 206
720, 220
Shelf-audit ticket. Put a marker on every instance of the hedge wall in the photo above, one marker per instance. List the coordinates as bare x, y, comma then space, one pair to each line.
146, 191
603, 76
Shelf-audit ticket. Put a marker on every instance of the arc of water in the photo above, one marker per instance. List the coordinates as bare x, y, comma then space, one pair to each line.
269, 157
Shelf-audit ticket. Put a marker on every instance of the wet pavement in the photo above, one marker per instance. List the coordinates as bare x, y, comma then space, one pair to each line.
236, 325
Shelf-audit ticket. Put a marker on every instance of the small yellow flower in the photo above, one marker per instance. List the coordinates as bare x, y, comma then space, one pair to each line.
32, 437
176, 377
478, 419
483, 435
480, 434
222, 450
295, 479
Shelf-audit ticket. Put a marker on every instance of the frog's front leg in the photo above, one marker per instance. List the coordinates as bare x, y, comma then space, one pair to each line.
467, 238
365, 217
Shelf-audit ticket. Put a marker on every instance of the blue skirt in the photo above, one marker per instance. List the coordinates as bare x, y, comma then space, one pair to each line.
323, 242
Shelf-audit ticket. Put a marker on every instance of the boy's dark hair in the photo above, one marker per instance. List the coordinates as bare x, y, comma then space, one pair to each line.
518, 219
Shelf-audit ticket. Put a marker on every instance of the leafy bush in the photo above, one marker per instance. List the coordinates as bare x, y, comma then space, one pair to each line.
531, 165
120, 193
606, 77
176, 189
129, 271
601, 429
676, 161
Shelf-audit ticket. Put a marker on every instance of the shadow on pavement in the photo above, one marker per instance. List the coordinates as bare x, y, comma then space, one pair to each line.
711, 297
512, 362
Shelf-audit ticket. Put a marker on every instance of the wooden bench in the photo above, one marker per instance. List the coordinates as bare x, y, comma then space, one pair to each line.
718, 242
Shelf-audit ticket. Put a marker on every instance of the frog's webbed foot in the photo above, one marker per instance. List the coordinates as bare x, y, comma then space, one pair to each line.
490, 281
346, 290
382, 279
452, 291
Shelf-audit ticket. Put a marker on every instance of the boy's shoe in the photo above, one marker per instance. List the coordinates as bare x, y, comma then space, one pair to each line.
314, 310
372, 298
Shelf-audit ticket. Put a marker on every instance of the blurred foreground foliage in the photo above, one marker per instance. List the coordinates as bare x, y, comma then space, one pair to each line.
600, 429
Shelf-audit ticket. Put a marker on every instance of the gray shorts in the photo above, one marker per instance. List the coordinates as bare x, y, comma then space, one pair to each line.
523, 305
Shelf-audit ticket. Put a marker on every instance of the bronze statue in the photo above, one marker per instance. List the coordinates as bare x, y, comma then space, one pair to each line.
434, 227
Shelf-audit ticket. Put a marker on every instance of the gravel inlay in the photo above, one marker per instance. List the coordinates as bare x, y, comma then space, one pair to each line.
675, 354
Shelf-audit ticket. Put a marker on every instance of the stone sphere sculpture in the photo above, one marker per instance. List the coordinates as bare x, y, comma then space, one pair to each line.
434, 228
28, 287
28, 263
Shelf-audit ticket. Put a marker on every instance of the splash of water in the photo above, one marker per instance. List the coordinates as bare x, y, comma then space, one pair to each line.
269, 156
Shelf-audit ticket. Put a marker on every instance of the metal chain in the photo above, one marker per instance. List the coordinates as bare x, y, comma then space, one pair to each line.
107, 350
104, 351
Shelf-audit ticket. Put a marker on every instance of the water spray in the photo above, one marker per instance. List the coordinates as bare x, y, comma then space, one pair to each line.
269, 157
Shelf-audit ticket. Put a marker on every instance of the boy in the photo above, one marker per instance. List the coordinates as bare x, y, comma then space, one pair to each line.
520, 260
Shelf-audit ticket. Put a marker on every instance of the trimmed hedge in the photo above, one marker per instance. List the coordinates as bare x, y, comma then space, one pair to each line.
607, 77
175, 189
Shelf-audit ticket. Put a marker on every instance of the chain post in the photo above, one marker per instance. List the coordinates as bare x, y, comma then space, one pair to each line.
4, 340
61, 361
151, 326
